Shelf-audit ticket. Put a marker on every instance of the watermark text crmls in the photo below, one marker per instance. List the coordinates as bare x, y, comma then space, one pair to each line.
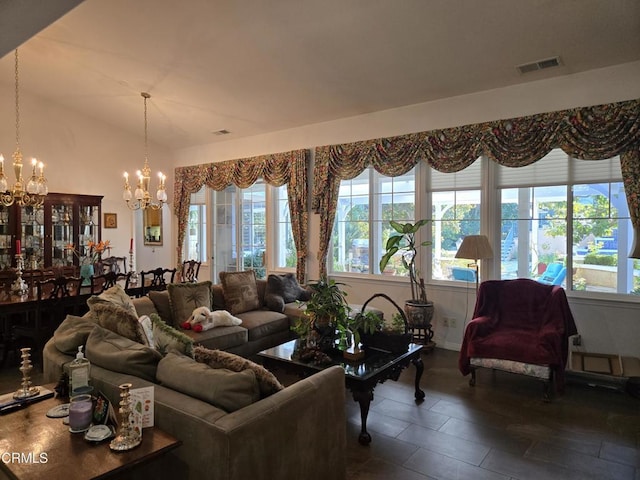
24, 457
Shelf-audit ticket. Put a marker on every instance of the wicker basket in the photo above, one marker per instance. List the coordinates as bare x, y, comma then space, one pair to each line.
390, 342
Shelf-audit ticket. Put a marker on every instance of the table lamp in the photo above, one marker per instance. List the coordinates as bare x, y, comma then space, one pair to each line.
475, 247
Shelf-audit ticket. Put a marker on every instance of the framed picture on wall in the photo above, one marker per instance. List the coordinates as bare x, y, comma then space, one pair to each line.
110, 220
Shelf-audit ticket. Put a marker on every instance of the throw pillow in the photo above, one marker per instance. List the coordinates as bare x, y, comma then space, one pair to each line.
184, 298
267, 381
118, 296
240, 291
72, 333
162, 303
167, 339
222, 388
114, 352
147, 328
117, 319
282, 289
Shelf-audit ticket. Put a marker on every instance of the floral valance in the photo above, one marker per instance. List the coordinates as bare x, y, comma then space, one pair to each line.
276, 169
589, 133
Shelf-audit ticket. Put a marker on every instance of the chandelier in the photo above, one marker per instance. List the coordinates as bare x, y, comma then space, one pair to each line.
141, 198
31, 195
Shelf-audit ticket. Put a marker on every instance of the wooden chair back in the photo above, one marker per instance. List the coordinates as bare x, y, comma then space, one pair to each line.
100, 283
190, 271
157, 279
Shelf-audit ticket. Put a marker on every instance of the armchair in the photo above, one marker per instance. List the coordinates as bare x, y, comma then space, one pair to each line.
520, 326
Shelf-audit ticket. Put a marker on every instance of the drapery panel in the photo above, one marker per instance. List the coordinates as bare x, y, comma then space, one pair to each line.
276, 169
589, 133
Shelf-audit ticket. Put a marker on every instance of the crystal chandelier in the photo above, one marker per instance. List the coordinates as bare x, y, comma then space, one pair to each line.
141, 198
36, 188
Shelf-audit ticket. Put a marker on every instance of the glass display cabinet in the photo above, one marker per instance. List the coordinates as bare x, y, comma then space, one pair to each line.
47, 232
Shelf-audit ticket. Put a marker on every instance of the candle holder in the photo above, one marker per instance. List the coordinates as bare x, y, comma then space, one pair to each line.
19, 286
127, 437
133, 278
27, 391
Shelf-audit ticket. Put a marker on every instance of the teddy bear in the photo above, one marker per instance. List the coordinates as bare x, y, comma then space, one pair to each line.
202, 319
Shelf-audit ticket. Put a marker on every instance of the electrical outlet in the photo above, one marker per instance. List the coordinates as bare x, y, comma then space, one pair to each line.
577, 340
452, 322
445, 322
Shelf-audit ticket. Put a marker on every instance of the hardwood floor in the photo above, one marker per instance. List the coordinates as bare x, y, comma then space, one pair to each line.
500, 429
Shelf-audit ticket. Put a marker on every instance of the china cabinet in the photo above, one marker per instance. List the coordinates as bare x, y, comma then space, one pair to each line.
46, 233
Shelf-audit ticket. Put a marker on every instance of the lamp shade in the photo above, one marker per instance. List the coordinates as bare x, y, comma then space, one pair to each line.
475, 247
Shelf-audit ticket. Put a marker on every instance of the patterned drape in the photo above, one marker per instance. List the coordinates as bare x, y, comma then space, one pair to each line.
276, 169
589, 133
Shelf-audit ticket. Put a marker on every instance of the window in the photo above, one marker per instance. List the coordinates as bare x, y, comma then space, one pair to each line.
195, 242
361, 229
566, 222
285, 248
455, 213
240, 229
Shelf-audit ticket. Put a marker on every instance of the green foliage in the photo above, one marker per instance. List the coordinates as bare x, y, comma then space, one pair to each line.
596, 259
396, 325
328, 303
404, 240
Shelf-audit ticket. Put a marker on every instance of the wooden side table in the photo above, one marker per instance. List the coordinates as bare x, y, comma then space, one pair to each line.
48, 450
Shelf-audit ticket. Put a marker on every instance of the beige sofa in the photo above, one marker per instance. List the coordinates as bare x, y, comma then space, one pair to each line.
297, 432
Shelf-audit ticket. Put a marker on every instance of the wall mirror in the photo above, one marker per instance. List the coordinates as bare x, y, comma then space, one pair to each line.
152, 226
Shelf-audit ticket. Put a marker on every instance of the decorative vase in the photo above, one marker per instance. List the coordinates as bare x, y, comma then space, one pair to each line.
86, 272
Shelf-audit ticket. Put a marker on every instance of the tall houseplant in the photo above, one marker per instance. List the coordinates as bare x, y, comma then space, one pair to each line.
419, 309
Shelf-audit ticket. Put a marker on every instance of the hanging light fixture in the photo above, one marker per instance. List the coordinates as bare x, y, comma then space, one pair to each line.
141, 198
36, 188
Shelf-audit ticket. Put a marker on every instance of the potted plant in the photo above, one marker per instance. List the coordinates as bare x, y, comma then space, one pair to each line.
419, 309
326, 313
374, 332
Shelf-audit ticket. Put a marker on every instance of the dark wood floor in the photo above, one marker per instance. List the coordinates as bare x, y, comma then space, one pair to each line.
499, 429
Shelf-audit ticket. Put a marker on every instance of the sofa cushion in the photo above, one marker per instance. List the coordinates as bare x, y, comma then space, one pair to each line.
184, 298
119, 354
222, 388
240, 291
262, 323
222, 338
144, 306
217, 297
162, 303
117, 319
73, 332
167, 339
283, 289
267, 381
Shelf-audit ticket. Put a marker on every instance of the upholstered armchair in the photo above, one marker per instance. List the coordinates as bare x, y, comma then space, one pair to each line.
519, 326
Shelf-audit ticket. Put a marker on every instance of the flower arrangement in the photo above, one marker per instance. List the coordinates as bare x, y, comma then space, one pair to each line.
93, 251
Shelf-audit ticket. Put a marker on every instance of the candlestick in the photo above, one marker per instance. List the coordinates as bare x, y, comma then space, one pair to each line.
19, 286
27, 391
128, 437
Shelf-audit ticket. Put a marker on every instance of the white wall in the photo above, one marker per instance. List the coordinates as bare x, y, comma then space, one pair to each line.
610, 327
84, 156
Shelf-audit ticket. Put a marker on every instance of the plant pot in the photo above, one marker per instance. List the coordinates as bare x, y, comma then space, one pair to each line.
389, 342
419, 314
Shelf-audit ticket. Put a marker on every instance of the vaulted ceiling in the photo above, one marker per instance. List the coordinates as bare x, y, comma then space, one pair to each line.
253, 67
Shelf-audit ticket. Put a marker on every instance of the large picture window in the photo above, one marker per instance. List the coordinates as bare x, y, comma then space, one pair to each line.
366, 204
566, 222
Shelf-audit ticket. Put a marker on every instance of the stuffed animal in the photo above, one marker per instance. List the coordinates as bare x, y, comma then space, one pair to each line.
202, 319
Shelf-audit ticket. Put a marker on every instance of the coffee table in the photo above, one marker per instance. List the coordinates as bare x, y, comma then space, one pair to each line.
49, 450
361, 377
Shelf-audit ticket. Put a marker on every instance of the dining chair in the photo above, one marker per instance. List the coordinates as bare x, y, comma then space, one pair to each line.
157, 279
190, 271
114, 264
100, 283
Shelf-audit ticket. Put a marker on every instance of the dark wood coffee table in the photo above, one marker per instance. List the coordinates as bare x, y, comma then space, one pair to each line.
361, 377
69, 456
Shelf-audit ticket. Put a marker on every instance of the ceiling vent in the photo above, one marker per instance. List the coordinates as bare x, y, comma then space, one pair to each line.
221, 132
539, 65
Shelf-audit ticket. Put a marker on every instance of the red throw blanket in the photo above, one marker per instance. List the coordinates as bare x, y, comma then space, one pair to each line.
520, 320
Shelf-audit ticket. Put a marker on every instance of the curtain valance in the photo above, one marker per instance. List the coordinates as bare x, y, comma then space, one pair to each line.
589, 133
276, 169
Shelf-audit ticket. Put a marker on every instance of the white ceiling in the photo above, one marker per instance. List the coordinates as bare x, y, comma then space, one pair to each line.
256, 66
